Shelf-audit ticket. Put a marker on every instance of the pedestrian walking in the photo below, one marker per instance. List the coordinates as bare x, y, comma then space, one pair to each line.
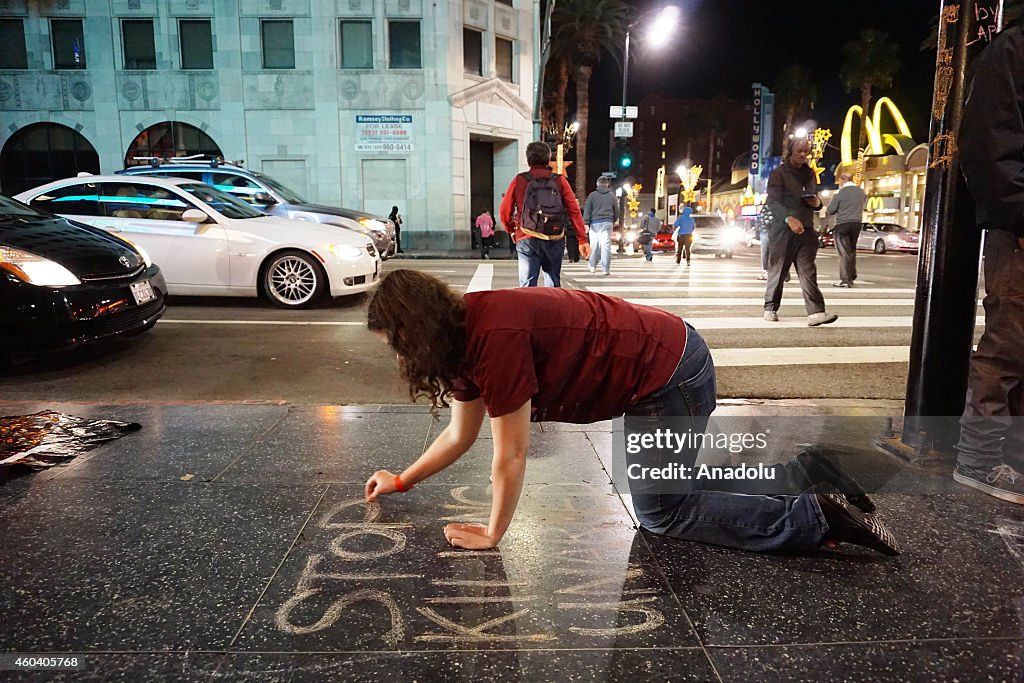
539, 208
683, 234
396, 218
485, 224
847, 206
600, 213
992, 158
792, 200
650, 226
560, 355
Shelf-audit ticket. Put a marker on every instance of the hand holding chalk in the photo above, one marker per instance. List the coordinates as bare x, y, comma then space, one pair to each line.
380, 484
469, 536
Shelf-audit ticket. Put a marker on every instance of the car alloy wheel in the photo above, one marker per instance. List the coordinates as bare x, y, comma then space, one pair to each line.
292, 279
879, 247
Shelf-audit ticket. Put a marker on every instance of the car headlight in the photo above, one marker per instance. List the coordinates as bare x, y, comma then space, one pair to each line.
348, 251
631, 235
732, 235
35, 270
374, 224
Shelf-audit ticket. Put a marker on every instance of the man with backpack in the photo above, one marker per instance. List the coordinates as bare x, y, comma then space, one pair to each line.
539, 209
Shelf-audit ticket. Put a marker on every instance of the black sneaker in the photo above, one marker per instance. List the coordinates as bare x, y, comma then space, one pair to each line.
848, 525
822, 469
1001, 481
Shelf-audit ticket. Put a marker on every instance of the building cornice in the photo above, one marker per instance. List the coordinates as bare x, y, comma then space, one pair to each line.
493, 91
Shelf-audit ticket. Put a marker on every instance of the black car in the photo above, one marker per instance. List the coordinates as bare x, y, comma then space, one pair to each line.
63, 283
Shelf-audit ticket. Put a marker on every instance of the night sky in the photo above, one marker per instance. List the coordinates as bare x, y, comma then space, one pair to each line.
723, 46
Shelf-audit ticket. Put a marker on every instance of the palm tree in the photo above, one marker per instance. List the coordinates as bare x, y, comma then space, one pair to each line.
583, 30
871, 61
795, 93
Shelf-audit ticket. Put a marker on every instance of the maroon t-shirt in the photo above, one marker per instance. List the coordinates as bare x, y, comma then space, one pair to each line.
578, 356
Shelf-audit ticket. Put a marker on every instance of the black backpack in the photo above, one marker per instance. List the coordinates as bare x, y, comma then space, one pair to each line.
543, 210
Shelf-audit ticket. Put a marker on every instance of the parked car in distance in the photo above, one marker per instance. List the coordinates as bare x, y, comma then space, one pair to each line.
63, 284
625, 242
714, 234
883, 237
210, 243
826, 238
663, 240
269, 196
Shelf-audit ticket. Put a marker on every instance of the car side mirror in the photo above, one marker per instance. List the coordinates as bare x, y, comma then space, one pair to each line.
265, 198
194, 216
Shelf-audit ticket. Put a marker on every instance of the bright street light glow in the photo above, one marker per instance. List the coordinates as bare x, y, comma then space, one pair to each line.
664, 26
575, 127
801, 132
682, 171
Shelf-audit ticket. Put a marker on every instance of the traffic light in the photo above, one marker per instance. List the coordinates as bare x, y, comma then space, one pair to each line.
622, 157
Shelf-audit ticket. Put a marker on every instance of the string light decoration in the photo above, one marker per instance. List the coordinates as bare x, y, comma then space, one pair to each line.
819, 139
689, 178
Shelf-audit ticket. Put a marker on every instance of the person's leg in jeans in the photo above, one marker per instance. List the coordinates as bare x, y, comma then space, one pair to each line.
846, 246
529, 261
806, 250
649, 250
747, 522
679, 249
551, 253
688, 245
994, 384
606, 249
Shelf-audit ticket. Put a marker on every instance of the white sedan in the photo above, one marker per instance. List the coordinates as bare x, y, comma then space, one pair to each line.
207, 242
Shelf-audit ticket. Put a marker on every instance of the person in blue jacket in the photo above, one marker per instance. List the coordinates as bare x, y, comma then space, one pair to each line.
683, 234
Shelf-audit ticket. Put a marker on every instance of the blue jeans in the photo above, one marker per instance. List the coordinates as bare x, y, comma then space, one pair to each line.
649, 250
601, 245
535, 254
735, 519
762, 237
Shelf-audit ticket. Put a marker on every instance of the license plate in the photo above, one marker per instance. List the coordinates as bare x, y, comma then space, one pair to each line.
143, 292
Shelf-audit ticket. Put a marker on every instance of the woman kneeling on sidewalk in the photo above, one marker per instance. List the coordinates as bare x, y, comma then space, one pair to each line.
559, 355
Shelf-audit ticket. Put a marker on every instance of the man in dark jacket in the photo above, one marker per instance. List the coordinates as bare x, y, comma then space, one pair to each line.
537, 251
792, 200
600, 212
992, 158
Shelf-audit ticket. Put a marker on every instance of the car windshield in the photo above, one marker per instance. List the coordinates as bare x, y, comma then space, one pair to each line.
223, 202
708, 222
894, 228
288, 195
11, 207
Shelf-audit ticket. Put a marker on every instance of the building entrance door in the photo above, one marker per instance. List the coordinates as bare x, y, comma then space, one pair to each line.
481, 183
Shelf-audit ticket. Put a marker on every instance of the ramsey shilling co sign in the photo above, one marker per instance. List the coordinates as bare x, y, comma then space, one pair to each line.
384, 133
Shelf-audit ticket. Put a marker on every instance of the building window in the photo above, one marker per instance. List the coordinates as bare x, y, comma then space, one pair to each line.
41, 152
356, 45
12, 44
68, 43
278, 43
503, 56
196, 38
168, 140
504, 2
139, 46
404, 45
472, 52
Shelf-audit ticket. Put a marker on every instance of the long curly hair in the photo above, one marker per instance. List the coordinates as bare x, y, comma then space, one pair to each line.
425, 322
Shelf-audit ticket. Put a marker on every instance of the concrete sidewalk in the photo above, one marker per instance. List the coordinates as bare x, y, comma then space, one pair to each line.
231, 542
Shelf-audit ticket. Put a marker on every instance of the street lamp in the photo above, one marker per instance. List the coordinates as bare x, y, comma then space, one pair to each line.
658, 34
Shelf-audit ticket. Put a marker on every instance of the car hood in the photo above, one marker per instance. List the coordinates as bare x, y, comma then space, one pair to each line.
338, 211
86, 251
287, 229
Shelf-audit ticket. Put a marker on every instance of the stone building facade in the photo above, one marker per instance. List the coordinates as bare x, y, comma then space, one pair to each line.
361, 103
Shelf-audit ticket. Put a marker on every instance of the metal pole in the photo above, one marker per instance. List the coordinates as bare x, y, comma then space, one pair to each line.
625, 74
947, 273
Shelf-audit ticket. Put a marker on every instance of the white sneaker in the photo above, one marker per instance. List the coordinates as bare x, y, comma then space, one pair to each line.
823, 318
771, 316
591, 269
607, 273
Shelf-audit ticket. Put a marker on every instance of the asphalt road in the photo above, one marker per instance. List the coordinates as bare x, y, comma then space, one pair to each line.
214, 349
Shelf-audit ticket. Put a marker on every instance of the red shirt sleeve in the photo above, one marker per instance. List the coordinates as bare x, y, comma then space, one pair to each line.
508, 203
572, 207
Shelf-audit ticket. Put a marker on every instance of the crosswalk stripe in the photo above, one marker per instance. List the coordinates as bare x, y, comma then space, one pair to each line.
759, 302
819, 355
684, 288
482, 278
758, 323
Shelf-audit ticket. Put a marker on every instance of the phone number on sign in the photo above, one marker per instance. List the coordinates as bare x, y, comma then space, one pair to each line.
384, 147
20, 662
